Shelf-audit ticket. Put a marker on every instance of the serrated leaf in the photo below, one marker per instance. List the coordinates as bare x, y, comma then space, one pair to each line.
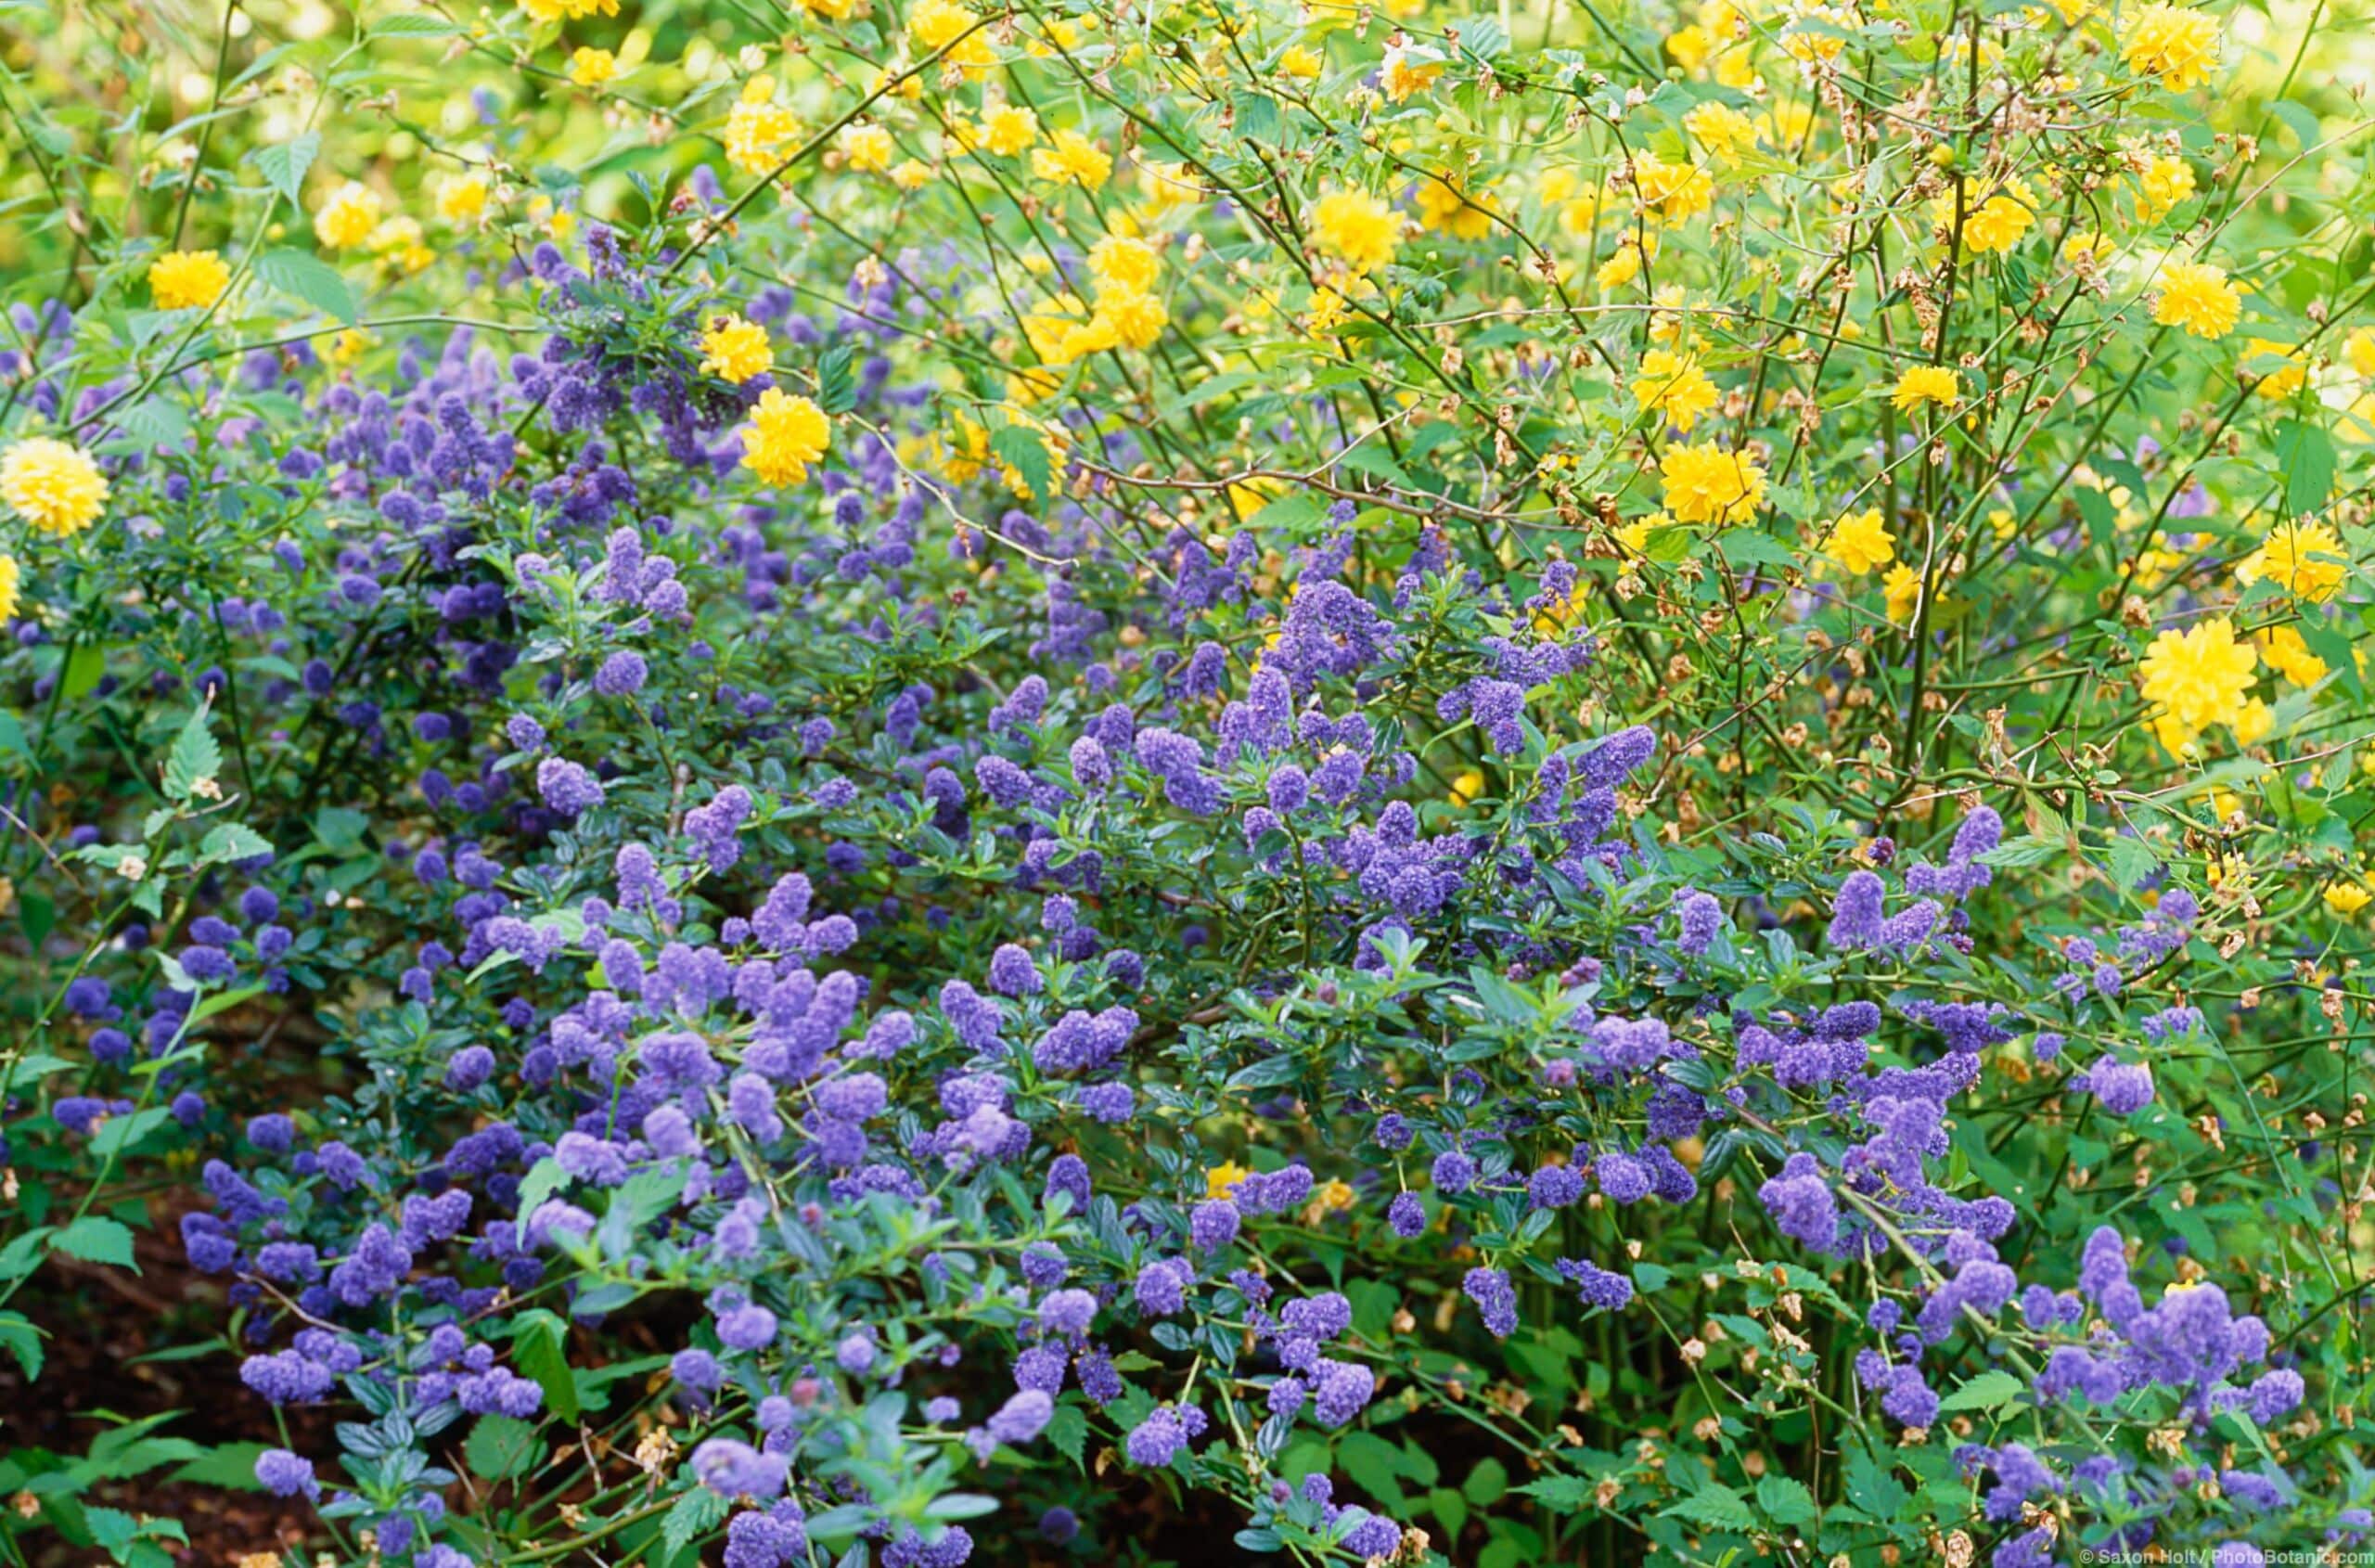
1020, 449
696, 1513
836, 388
416, 24
1068, 1429
232, 841
1785, 1501
1984, 1392
283, 166
21, 1339
311, 279
1716, 1504
1559, 1494
195, 757
500, 1448
94, 1239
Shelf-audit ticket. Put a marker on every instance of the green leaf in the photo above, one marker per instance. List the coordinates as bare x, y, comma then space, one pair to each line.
416, 24
1716, 1504
85, 666
1786, 1501
544, 1179
97, 1240
1068, 1429
1872, 1488
2307, 454
1020, 449
1374, 1466
696, 1514
836, 389
2026, 851
540, 1348
195, 757
311, 279
117, 1132
232, 841
21, 1339
500, 1446
1559, 1494
1487, 1482
283, 166
1984, 1392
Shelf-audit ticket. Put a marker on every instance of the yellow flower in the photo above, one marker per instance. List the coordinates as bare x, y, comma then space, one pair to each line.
1999, 224
2086, 250
179, 279
1302, 62
1007, 129
1357, 229
1721, 129
1709, 485
2307, 560
2348, 898
1128, 318
2286, 378
757, 129
591, 67
1121, 260
1446, 205
784, 436
1221, 1178
346, 347
1926, 383
2166, 182
1903, 586
1861, 543
1622, 267
462, 201
1407, 71
867, 148
2359, 349
2197, 679
735, 349
2197, 297
11, 576
1672, 385
933, 25
1672, 191
1563, 191
1466, 788
831, 11
53, 487
2174, 45
911, 175
2287, 654
347, 217
1074, 159
574, 10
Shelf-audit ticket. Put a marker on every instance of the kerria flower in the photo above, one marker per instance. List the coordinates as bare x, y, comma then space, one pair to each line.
1446, 206
52, 485
2176, 46
735, 349
2287, 654
2197, 297
1708, 484
180, 280
1861, 543
2196, 678
1073, 158
592, 67
347, 216
784, 436
1672, 385
2307, 560
1357, 229
11, 576
1926, 383
1672, 191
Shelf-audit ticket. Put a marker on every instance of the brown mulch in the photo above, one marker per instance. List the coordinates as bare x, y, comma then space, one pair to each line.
100, 1321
